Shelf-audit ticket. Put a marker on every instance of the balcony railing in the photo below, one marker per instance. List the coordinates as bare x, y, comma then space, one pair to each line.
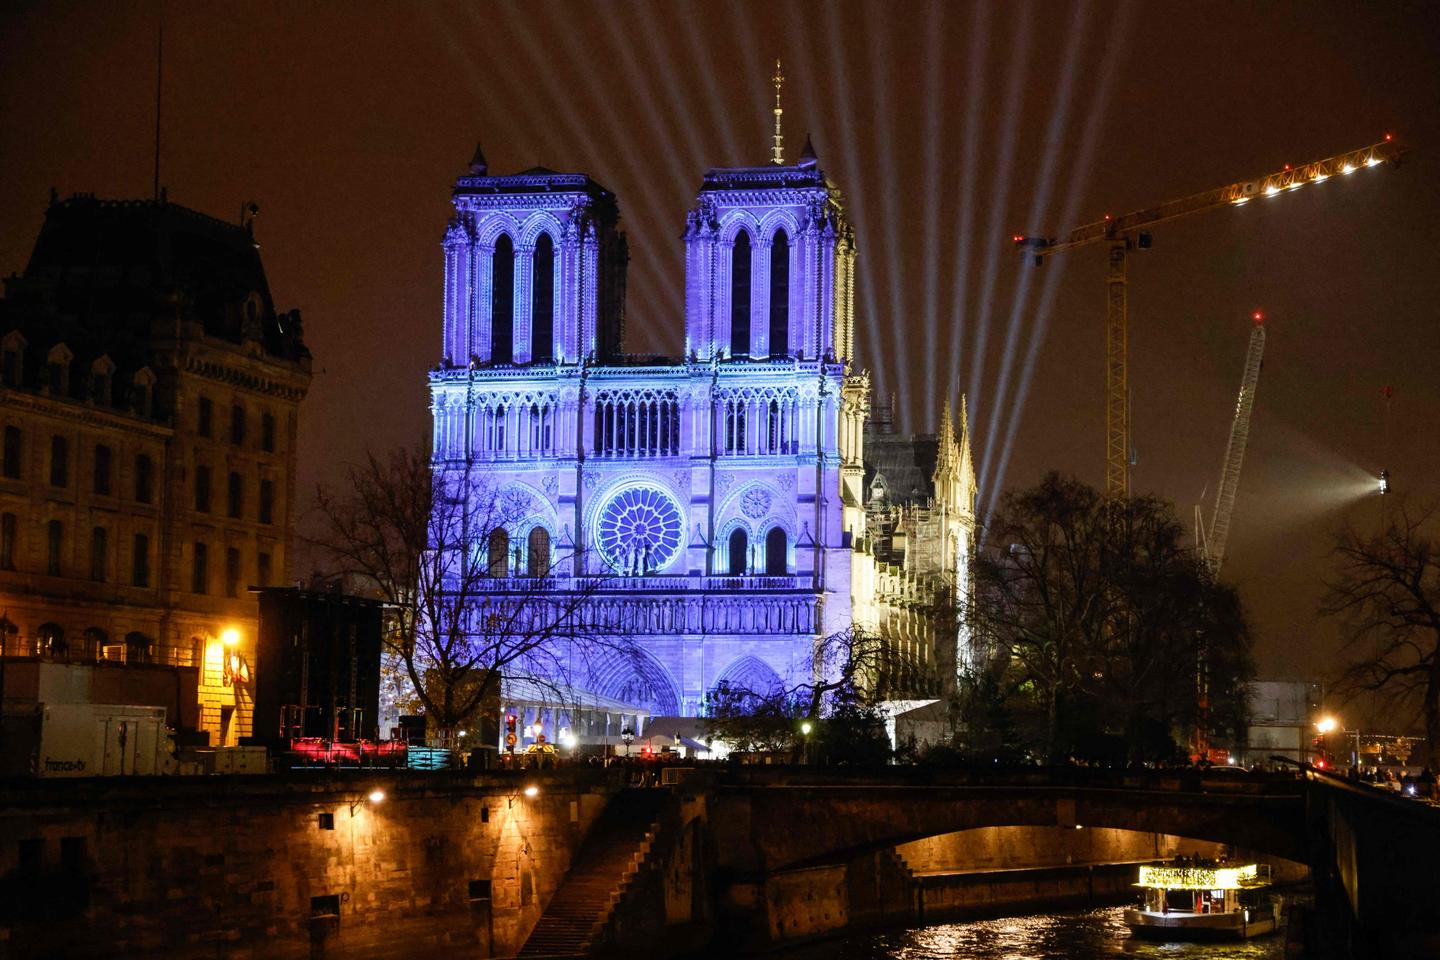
86, 652
745, 583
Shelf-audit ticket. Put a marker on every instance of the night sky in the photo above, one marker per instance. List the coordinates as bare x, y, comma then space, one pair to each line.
949, 128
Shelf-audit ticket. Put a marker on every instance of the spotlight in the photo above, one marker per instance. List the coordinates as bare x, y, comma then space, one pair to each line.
376, 796
532, 790
1384, 482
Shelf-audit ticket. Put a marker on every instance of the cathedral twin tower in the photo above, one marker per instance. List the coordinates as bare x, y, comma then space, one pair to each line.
718, 493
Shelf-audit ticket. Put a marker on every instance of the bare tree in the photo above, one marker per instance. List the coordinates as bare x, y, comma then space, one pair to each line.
1103, 620
1387, 595
838, 697
470, 606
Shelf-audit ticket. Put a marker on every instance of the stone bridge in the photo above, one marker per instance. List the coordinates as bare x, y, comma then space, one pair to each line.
769, 822
800, 852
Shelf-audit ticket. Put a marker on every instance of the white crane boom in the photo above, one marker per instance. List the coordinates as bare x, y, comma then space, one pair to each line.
1213, 544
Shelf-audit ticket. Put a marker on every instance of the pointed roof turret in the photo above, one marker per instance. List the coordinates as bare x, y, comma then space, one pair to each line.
808, 157
479, 167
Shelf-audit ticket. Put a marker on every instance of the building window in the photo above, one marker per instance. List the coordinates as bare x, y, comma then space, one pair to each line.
55, 542
13, 447
542, 300
232, 571
138, 647
779, 295
102, 469
738, 546
59, 462
497, 553
140, 562
52, 640
235, 497
262, 569
538, 553
267, 432
267, 501
199, 571
204, 413
740, 296
144, 478
8, 532
202, 489
502, 302
776, 562
99, 553
237, 425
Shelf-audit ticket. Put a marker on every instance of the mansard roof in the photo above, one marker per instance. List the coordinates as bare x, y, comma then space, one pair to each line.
110, 266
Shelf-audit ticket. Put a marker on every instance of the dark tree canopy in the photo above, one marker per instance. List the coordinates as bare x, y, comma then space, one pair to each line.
1102, 633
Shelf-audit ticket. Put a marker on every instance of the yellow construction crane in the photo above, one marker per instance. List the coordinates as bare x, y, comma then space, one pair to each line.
1122, 234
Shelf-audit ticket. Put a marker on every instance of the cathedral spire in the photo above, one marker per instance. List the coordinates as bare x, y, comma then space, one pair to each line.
778, 151
478, 166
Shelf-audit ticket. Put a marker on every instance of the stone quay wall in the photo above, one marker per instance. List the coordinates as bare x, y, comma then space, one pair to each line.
286, 867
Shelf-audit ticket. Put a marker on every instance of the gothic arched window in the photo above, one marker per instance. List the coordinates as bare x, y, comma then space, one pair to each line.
497, 552
502, 302
780, 295
740, 296
776, 563
739, 545
542, 300
538, 559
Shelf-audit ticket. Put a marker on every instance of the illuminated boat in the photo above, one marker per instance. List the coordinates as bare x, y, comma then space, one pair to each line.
1188, 900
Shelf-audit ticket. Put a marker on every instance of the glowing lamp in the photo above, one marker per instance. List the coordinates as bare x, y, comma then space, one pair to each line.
1347, 169
806, 727
532, 791
230, 636
1325, 724
377, 796
1271, 190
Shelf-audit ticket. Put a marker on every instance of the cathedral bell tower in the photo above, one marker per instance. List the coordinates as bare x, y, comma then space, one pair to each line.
534, 269
770, 264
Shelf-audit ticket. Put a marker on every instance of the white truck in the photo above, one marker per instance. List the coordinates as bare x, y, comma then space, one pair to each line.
103, 740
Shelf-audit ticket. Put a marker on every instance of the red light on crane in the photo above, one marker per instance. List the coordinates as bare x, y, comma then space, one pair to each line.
1387, 137
1259, 317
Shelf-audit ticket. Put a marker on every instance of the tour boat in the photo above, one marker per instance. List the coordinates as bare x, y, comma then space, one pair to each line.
1201, 900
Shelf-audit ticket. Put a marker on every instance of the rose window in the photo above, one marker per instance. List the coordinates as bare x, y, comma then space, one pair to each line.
640, 531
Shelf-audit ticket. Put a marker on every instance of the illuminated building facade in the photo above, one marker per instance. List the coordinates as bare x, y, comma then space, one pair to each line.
718, 496
149, 395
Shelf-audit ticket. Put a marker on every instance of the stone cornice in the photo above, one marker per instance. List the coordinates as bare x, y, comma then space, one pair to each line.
289, 385
77, 411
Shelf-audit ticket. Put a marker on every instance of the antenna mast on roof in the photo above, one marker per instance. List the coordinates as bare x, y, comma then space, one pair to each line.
778, 151
159, 77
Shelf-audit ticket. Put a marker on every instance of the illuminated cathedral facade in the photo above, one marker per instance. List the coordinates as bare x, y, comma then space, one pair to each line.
717, 499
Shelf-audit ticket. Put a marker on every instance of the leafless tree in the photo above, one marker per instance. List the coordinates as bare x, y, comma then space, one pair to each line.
469, 609
1102, 618
839, 696
1387, 595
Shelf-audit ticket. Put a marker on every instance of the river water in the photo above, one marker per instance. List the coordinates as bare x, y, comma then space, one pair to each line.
1068, 935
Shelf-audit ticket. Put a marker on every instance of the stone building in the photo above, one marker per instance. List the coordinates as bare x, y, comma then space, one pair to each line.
149, 395
717, 499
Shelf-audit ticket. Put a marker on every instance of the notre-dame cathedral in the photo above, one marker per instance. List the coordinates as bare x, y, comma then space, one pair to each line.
725, 495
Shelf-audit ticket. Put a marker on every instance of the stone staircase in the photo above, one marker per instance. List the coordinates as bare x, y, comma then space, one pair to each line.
616, 846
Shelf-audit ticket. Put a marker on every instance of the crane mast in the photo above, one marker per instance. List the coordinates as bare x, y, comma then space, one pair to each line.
1213, 543
1124, 233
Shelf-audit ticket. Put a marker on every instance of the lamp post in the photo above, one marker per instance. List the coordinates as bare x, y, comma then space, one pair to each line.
805, 727
627, 735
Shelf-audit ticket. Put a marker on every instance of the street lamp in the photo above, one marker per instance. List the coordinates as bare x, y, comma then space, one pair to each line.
627, 735
805, 727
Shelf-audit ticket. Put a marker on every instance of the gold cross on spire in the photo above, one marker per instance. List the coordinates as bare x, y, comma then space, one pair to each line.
778, 151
